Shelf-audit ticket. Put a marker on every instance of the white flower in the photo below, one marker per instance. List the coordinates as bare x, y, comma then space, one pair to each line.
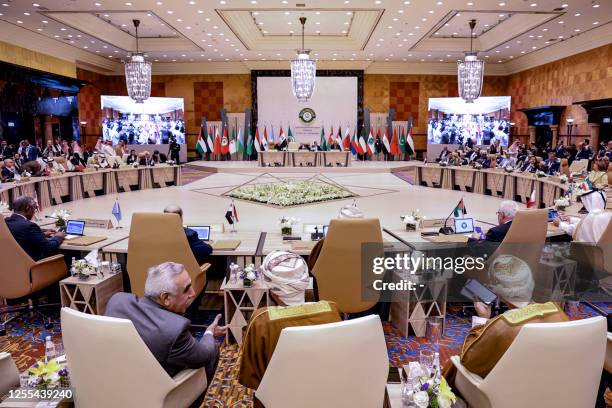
251, 275
421, 398
444, 402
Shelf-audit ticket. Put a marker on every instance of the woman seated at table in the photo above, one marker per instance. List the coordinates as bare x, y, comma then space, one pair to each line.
598, 177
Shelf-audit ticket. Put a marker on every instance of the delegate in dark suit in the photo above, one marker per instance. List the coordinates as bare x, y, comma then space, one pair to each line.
31, 238
199, 248
165, 333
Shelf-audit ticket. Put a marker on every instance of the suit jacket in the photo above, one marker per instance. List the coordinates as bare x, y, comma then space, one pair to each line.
8, 174
199, 248
30, 153
131, 159
492, 239
31, 238
165, 333
146, 162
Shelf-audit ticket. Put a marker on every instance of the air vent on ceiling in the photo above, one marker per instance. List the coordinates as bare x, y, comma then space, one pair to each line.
300, 4
553, 39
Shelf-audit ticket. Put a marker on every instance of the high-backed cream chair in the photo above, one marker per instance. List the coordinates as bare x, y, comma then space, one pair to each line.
21, 276
608, 361
579, 166
548, 365
338, 267
111, 366
9, 374
293, 146
342, 364
156, 238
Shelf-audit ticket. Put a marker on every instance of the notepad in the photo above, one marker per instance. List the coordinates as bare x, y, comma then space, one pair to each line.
459, 238
85, 241
226, 244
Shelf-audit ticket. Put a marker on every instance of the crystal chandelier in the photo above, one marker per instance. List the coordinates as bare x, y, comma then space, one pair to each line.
138, 73
303, 71
470, 72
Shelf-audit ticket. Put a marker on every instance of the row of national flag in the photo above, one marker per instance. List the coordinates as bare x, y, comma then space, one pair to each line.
218, 142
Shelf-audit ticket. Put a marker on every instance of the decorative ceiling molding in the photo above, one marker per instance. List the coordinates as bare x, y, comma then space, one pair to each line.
18, 36
426, 68
242, 25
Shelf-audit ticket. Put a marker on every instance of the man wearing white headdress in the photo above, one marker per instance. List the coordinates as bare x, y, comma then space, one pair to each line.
286, 275
593, 225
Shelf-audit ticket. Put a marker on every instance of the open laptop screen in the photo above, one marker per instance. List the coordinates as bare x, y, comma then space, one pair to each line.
202, 230
74, 227
464, 225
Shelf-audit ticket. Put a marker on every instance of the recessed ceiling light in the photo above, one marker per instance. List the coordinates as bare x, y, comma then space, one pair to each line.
395, 19
19, 22
595, 22
389, 27
560, 36
62, 29
577, 30
128, 4
200, 12
378, 2
192, 2
545, 29
533, 4
501, 15
179, 19
207, 19
349, 13
44, 21
470, 4
222, 2
39, 29
159, 3
253, 1
406, 2
35, 5
284, 2
318, 23
577, 15
187, 28
502, 4
423, 19
534, 47
5, 4
170, 12
564, 6
400, 11
595, 5
431, 11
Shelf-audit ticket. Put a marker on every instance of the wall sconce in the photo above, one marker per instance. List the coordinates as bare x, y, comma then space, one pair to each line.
570, 125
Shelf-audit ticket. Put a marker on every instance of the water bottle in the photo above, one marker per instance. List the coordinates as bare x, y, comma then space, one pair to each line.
233, 273
72, 271
49, 349
408, 393
436, 368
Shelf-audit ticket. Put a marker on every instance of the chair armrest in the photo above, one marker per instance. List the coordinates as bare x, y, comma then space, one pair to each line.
185, 375
475, 379
48, 271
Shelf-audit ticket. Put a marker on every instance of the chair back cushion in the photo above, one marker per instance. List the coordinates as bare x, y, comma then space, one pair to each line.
16, 264
109, 364
342, 364
550, 365
156, 238
338, 267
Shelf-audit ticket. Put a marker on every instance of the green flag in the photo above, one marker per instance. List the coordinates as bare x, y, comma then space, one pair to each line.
240, 142
289, 135
323, 142
402, 141
249, 145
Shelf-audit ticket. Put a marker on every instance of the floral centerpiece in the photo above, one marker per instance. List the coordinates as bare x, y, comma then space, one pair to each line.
509, 169
82, 269
48, 375
286, 224
4, 207
135, 165
562, 203
540, 174
434, 394
412, 219
563, 179
248, 275
478, 166
61, 217
290, 193
170, 162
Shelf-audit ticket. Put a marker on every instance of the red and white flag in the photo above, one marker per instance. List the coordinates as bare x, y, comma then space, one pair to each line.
532, 200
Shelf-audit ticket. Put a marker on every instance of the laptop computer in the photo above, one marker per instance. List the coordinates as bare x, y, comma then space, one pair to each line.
74, 229
202, 230
464, 225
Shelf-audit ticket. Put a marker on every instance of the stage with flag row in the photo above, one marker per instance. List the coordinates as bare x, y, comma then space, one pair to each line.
219, 140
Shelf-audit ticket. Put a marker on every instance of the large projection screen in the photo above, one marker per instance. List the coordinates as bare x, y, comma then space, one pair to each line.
334, 102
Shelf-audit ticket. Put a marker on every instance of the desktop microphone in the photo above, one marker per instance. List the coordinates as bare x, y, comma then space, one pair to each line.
447, 230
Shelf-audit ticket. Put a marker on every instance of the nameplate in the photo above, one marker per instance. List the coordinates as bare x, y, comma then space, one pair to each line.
98, 223
281, 312
528, 312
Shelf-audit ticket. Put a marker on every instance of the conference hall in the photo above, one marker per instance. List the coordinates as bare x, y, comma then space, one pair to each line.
306, 203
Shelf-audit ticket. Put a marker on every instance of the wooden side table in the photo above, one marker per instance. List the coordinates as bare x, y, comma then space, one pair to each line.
91, 295
240, 303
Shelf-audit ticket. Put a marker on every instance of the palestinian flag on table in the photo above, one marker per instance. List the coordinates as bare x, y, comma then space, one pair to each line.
460, 209
323, 143
201, 144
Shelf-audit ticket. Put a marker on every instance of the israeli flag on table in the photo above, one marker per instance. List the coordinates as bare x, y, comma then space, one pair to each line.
117, 210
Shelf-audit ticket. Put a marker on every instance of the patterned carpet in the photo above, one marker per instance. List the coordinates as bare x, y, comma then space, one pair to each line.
25, 341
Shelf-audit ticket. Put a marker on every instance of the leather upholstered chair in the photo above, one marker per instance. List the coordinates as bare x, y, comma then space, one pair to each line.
156, 238
21, 276
111, 366
338, 267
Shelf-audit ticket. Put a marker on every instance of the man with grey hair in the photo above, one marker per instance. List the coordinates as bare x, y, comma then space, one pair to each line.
201, 250
35, 242
158, 319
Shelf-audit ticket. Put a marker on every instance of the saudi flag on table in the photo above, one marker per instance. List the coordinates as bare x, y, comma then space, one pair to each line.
323, 143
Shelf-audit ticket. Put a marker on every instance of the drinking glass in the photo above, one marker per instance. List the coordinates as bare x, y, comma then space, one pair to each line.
426, 359
24, 380
434, 329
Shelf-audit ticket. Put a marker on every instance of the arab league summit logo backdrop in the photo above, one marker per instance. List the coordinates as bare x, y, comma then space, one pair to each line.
307, 115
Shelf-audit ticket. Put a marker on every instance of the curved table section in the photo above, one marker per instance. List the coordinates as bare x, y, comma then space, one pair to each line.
54, 190
495, 182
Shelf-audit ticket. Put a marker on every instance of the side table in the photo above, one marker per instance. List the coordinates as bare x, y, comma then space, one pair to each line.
91, 295
240, 303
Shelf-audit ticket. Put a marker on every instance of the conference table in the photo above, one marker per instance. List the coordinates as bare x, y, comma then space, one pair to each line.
305, 158
71, 186
496, 182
